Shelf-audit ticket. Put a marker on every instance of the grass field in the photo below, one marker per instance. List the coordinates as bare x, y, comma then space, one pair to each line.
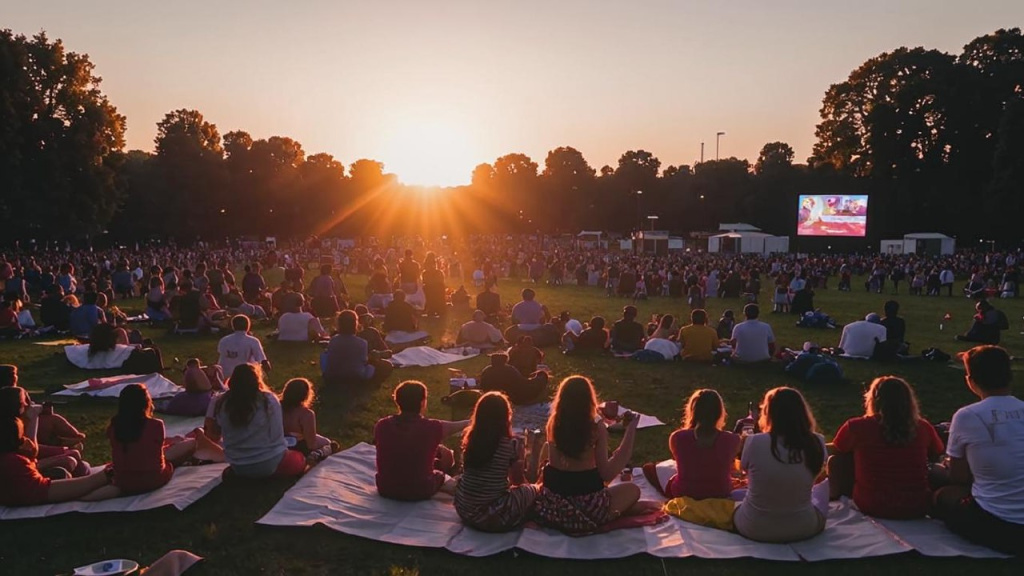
221, 526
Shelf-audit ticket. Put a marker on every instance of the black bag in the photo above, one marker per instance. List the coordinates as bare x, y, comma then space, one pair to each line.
935, 355
143, 361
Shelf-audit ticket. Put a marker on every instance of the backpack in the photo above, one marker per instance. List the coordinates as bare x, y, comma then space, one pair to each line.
143, 361
935, 355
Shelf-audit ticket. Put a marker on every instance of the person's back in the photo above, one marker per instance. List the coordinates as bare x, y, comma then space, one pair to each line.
895, 328
592, 339
254, 449
525, 357
627, 335
699, 342
500, 378
406, 449
374, 340
399, 315
294, 327
478, 332
84, 318
859, 338
753, 339
489, 303
704, 470
54, 312
239, 348
347, 356
189, 309
528, 313
139, 466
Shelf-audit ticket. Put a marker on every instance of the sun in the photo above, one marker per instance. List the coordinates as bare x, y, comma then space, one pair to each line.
429, 153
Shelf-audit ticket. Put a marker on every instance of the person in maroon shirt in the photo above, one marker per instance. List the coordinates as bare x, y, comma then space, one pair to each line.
411, 462
881, 458
141, 463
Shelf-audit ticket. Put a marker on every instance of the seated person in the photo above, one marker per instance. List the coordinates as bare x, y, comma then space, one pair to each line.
781, 464
895, 344
201, 382
593, 338
51, 430
10, 326
881, 459
528, 314
411, 462
247, 419
985, 501
54, 461
524, 356
295, 325
478, 333
987, 324
300, 422
279, 297
241, 347
489, 302
668, 349
53, 311
813, 367
860, 338
399, 315
493, 494
141, 462
460, 298
725, 325
699, 341
189, 308
521, 389
664, 328
22, 482
627, 335
704, 453
752, 340
85, 317
374, 339
157, 302
348, 360
574, 496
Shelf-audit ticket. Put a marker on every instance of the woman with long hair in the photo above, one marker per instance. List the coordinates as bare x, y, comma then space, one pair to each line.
782, 463
493, 494
704, 452
881, 458
574, 494
140, 461
300, 420
248, 419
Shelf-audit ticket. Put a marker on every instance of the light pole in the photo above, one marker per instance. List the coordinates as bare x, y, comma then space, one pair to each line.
652, 219
718, 137
639, 222
701, 152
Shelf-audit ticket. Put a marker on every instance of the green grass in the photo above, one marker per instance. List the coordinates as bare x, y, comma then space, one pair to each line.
221, 526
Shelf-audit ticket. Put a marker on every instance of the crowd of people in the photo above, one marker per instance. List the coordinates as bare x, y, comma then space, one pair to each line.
890, 461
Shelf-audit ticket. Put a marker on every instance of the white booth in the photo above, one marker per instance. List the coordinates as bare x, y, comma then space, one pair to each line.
930, 243
747, 243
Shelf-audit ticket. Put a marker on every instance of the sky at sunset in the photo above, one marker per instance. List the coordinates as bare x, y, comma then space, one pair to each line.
432, 88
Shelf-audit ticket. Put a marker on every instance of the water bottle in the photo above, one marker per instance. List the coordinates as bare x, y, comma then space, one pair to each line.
749, 423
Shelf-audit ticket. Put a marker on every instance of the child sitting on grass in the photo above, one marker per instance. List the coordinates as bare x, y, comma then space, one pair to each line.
300, 422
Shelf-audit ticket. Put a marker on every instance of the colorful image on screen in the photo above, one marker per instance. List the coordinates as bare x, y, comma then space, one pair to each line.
832, 215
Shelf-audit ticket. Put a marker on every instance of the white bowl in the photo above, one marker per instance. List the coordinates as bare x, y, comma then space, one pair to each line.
108, 568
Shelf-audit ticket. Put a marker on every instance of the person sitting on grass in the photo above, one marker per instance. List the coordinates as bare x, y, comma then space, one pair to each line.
574, 496
881, 459
411, 462
752, 340
25, 486
699, 341
157, 302
141, 462
375, 341
781, 464
524, 356
489, 302
703, 451
247, 419
479, 334
593, 339
528, 314
521, 389
201, 383
300, 421
10, 325
86, 317
53, 461
241, 347
985, 501
627, 335
347, 360
295, 325
725, 325
52, 431
987, 323
493, 493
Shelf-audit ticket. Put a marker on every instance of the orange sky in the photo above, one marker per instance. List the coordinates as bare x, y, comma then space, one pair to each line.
433, 88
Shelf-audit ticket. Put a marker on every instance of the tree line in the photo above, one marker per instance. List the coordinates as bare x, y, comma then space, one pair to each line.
937, 140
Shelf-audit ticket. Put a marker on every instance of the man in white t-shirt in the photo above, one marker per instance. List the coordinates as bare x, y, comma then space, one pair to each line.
985, 501
298, 326
859, 338
240, 347
752, 340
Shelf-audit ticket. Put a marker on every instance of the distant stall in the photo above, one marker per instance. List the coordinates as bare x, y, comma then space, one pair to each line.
747, 243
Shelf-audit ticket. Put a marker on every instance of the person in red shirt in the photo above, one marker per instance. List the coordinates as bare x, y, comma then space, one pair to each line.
881, 458
25, 486
141, 462
411, 462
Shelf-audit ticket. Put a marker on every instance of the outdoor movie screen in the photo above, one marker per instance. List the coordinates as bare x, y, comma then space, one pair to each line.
832, 215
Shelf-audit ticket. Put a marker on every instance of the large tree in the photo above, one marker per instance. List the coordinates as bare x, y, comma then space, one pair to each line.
568, 186
61, 141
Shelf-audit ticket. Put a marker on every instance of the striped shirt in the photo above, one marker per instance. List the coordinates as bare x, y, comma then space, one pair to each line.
479, 487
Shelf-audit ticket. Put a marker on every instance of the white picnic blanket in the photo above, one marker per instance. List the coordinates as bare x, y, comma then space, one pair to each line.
110, 387
400, 337
78, 355
180, 425
188, 485
340, 494
535, 416
427, 356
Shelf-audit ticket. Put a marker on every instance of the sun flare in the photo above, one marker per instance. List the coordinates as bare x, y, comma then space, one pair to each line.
429, 153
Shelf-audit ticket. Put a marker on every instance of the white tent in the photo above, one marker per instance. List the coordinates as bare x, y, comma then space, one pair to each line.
737, 227
747, 243
931, 243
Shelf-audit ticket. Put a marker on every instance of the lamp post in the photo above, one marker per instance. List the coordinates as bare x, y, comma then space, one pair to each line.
718, 137
652, 219
639, 222
701, 152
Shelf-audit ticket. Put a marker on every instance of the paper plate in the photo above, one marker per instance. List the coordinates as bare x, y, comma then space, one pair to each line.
108, 568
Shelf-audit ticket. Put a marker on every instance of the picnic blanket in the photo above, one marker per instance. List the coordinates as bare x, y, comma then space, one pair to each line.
340, 494
180, 425
427, 356
535, 417
110, 387
78, 355
188, 485
400, 337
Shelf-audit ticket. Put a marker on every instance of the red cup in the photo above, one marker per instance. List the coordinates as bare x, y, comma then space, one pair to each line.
611, 409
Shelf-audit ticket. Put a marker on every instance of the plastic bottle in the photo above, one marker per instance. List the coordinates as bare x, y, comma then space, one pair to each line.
749, 422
